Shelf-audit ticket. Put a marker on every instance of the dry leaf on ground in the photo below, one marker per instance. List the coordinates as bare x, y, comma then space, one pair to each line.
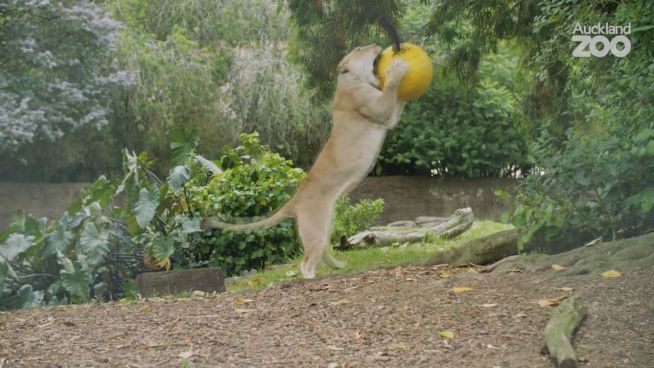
146, 309
556, 267
446, 334
611, 274
339, 302
241, 301
551, 302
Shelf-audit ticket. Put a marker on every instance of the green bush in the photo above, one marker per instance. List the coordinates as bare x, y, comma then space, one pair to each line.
97, 247
594, 154
597, 185
351, 219
452, 131
254, 183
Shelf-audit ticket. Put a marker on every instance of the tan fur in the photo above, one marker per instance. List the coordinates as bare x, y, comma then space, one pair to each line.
361, 116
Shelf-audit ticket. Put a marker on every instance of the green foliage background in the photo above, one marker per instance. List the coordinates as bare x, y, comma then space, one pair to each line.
97, 247
508, 99
219, 66
588, 121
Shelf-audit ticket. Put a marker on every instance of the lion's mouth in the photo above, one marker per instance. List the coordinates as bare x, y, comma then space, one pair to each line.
376, 61
377, 82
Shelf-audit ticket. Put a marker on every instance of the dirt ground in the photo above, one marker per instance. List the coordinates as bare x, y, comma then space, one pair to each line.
384, 318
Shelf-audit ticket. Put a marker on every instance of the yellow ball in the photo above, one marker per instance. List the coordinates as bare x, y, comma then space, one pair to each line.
417, 79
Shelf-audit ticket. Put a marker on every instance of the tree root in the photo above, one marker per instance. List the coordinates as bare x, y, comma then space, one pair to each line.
563, 323
625, 254
493, 266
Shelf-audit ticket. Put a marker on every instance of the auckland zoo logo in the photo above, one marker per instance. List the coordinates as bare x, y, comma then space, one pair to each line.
601, 39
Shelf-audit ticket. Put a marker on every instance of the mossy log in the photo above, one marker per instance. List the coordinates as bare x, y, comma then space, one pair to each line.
560, 329
412, 231
480, 251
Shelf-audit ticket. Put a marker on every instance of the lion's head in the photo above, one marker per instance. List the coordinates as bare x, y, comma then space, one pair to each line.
359, 64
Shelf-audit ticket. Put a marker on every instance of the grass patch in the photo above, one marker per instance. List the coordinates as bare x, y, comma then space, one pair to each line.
365, 259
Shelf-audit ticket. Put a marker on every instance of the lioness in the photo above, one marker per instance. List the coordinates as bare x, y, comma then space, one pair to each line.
361, 113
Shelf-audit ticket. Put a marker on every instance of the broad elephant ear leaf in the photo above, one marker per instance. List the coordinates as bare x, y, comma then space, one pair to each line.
182, 142
146, 207
178, 177
27, 297
209, 165
191, 225
92, 244
57, 241
75, 279
162, 248
5, 271
15, 245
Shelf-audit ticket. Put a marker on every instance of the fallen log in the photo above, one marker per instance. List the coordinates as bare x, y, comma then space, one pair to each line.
412, 231
563, 323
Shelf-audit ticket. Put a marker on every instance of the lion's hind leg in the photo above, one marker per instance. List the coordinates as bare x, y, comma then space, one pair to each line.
314, 227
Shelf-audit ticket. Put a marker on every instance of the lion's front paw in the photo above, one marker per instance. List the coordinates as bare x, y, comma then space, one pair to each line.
396, 71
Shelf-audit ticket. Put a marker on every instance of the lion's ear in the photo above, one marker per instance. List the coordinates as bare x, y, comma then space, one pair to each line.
342, 67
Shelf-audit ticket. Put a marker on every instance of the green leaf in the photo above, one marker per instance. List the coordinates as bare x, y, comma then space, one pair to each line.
131, 168
57, 241
209, 165
644, 199
650, 148
5, 270
146, 206
75, 279
75, 220
28, 298
100, 289
100, 191
93, 245
178, 177
27, 224
191, 225
642, 28
182, 142
15, 245
162, 248
132, 226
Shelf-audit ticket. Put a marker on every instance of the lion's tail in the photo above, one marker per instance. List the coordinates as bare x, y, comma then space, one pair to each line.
279, 216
